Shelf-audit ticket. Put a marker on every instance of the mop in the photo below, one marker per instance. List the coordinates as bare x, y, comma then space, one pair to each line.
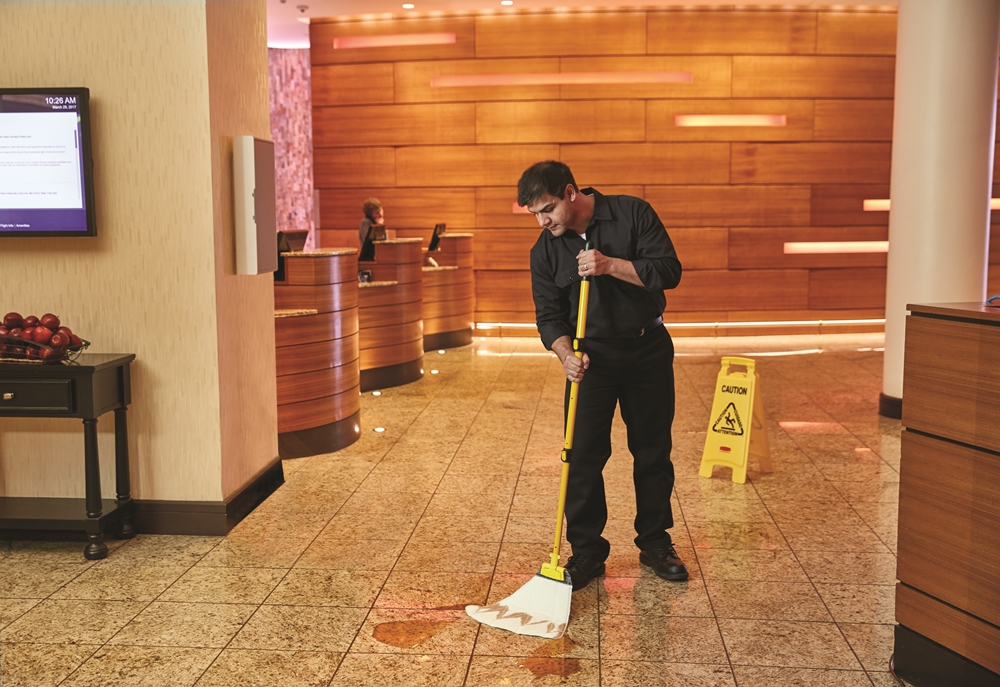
541, 607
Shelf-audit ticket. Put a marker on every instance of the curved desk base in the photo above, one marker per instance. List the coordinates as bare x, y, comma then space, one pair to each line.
322, 439
460, 337
392, 375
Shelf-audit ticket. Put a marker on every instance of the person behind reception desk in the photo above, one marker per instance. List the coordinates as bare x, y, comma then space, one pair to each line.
373, 218
627, 360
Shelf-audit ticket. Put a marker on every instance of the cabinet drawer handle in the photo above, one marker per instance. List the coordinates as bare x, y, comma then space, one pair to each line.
8, 396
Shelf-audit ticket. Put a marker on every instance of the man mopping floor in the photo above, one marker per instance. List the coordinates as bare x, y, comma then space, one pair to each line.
628, 358
619, 245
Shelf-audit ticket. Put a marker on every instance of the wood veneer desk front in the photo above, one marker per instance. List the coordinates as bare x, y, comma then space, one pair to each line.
948, 596
86, 389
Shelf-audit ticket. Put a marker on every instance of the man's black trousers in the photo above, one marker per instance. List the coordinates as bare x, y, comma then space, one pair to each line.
638, 374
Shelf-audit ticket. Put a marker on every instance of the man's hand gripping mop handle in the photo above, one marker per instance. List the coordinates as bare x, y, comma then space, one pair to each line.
552, 569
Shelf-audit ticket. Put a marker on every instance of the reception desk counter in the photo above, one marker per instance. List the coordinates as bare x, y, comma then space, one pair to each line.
948, 596
389, 315
317, 352
449, 301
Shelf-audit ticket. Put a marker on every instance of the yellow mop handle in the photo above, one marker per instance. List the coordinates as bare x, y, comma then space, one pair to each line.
552, 569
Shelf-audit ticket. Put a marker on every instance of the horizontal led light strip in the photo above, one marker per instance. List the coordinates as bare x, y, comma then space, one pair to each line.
817, 247
730, 120
719, 325
393, 40
558, 79
882, 204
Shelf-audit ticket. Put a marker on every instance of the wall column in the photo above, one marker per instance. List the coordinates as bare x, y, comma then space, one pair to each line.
942, 165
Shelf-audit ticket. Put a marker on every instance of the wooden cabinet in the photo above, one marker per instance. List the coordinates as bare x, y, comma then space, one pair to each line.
948, 596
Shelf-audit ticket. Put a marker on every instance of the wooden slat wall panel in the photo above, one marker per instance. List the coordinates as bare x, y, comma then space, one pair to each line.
951, 365
352, 84
394, 125
660, 120
856, 33
547, 121
503, 249
413, 80
948, 499
729, 197
813, 77
321, 35
763, 247
354, 167
811, 163
316, 356
712, 76
733, 32
456, 165
317, 384
949, 627
701, 248
293, 417
853, 120
844, 205
590, 33
494, 205
648, 163
862, 287
713, 206
740, 289
509, 291
404, 207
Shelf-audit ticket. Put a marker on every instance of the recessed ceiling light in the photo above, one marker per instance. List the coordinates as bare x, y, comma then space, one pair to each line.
440, 352
408, 5
434, 372
380, 429
506, 2
376, 393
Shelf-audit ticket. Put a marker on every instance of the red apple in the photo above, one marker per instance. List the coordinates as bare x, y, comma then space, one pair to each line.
28, 333
49, 320
59, 340
31, 353
42, 334
30, 321
75, 341
13, 319
47, 353
65, 330
4, 331
15, 331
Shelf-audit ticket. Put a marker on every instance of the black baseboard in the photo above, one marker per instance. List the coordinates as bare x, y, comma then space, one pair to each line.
323, 439
209, 518
890, 406
461, 337
925, 663
393, 375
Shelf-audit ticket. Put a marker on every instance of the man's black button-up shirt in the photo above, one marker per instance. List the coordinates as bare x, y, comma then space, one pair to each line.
622, 227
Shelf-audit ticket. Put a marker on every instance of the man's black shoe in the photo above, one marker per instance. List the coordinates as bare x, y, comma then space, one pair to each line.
582, 569
665, 562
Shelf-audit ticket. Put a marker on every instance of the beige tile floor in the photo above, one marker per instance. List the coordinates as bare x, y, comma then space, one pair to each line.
356, 570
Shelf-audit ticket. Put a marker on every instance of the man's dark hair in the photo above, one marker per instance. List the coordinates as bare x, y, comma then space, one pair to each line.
549, 177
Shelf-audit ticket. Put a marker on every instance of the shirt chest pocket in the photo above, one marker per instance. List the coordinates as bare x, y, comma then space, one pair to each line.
566, 278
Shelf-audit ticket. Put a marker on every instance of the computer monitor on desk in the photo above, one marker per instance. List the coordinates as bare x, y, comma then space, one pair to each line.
436, 237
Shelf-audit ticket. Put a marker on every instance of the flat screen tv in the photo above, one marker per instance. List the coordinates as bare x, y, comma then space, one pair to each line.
46, 167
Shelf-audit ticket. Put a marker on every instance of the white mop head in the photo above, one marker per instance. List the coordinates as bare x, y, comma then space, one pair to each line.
540, 608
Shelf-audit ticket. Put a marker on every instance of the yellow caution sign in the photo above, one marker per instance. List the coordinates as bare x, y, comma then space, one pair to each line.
737, 428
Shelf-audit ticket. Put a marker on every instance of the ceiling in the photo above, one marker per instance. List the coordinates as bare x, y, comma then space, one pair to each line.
286, 30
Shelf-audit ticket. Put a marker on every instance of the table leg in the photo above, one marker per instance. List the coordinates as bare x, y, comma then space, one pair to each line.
96, 549
123, 481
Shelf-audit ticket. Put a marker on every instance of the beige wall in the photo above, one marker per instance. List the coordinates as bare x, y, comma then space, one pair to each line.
158, 280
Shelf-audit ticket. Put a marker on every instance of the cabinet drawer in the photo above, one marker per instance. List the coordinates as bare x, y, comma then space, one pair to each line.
40, 394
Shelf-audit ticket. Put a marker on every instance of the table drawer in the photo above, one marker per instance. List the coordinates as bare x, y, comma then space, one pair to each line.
36, 394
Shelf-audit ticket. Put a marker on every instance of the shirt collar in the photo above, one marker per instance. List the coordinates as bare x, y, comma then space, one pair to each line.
602, 211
